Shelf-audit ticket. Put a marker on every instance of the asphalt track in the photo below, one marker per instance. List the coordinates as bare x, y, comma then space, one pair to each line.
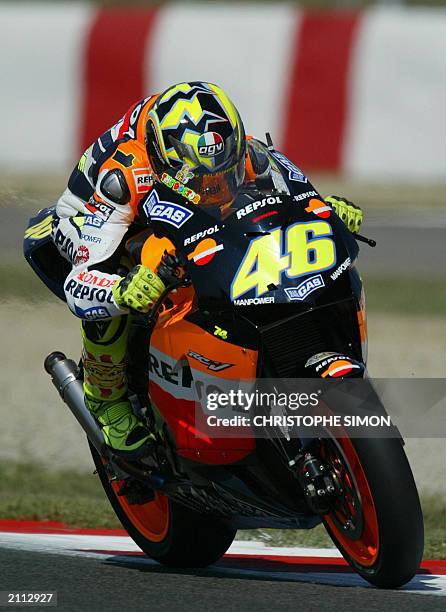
98, 572
409, 244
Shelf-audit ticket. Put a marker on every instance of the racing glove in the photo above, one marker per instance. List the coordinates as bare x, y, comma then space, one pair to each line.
347, 211
138, 290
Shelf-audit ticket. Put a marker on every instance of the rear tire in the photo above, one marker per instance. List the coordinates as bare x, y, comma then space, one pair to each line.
393, 518
166, 531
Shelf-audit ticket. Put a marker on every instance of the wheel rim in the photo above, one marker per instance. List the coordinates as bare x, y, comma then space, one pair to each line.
353, 520
152, 519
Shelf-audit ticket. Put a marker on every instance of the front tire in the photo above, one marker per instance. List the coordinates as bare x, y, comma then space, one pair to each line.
384, 538
166, 531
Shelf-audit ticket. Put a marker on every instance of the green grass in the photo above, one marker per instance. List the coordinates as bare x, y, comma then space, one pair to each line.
423, 297
32, 493
426, 297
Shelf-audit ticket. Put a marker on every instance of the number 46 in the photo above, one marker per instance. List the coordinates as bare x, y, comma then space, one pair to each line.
308, 249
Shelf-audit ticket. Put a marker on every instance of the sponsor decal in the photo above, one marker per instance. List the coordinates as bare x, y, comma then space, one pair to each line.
214, 366
319, 208
93, 221
305, 196
65, 245
82, 256
169, 372
254, 301
93, 313
100, 209
180, 188
170, 213
184, 175
210, 144
325, 359
93, 279
205, 251
253, 206
92, 294
220, 332
294, 173
342, 268
90, 238
143, 180
207, 232
338, 368
299, 293
319, 357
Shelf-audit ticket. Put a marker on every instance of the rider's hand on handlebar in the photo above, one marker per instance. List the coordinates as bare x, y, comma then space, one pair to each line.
138, 290
347, 211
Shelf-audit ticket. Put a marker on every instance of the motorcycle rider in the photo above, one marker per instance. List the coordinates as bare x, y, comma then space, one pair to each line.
191, 133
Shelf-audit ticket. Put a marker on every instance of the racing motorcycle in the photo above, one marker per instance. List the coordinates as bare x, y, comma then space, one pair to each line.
264, 288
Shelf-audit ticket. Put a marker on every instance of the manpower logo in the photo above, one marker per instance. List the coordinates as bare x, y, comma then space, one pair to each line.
342, 268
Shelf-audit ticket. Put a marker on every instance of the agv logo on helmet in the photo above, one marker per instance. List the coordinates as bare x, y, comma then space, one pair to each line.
210, 144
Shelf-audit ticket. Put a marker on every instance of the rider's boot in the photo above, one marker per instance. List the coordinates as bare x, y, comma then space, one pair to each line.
105, 387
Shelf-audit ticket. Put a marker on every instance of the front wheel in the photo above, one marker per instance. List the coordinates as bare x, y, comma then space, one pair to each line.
166, 531
376, 523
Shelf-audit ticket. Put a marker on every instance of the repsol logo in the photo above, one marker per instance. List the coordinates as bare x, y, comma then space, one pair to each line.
304, 196
181, 377
92, 294
253, 206
207, 232
65, 245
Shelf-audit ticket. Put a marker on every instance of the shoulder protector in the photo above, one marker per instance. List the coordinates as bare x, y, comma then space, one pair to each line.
115, 188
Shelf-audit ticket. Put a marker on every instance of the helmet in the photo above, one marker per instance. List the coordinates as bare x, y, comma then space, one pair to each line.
194, 136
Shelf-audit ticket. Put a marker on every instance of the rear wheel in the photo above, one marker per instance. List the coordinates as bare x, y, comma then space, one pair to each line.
167, 531
376, 523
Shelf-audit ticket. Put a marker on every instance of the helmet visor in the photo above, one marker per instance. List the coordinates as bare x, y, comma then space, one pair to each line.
218, 188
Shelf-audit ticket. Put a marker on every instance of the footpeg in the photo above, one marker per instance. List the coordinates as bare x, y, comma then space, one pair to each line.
136, 492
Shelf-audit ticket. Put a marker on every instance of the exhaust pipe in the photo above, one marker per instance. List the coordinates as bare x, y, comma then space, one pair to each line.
64, 374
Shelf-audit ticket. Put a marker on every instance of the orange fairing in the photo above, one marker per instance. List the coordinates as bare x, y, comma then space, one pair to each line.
171, 344
153, 250
362, 324
172, 369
